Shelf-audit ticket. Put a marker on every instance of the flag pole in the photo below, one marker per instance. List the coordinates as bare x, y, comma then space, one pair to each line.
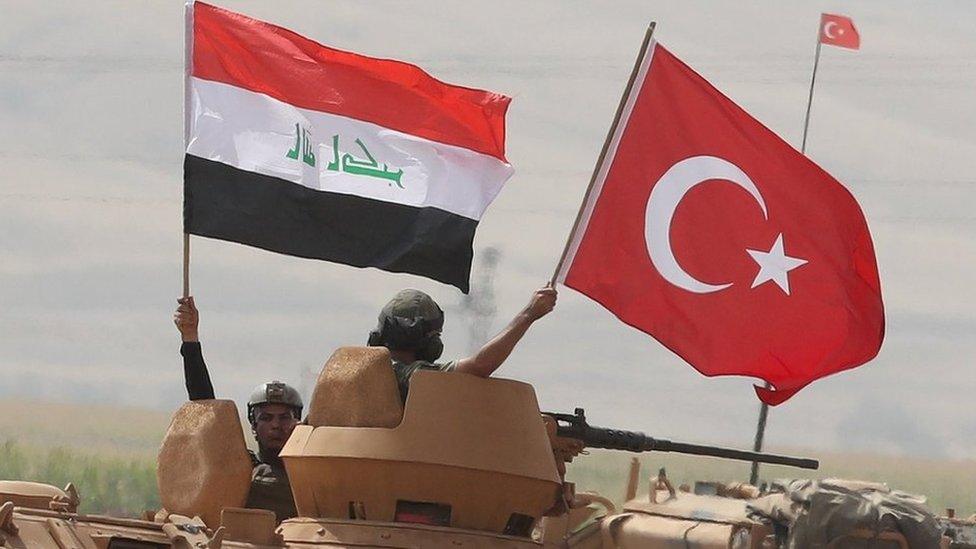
813, 80
757, 445
187, 72
186, 264
603, 152
764, 408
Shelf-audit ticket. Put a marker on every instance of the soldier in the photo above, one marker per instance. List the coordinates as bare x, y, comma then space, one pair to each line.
410, 327
273, 410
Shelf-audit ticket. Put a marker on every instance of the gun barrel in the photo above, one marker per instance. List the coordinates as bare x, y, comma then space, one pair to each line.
731, 453
575, 426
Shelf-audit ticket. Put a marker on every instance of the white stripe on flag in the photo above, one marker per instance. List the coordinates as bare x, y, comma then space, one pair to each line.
591, 199
256, 133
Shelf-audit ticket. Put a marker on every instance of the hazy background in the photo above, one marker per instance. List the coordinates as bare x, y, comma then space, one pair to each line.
91, 149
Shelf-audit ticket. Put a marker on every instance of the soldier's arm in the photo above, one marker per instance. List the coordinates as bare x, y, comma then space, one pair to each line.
494, 353
187, 319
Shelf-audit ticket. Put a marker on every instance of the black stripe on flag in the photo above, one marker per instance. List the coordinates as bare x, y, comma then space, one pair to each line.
221, 201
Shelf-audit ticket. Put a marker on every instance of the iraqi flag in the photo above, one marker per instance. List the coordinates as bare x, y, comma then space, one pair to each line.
709, 232
310, 151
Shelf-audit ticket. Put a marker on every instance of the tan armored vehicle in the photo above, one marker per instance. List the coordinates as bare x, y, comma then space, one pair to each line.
466, 462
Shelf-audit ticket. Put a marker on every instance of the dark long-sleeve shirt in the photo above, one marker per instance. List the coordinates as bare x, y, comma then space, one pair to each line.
198, 385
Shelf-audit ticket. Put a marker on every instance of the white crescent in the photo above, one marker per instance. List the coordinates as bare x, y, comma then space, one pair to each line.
665, 197
827, 27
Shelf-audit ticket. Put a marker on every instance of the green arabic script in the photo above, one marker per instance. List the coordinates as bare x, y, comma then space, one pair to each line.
345, 163
303, 143
368, 167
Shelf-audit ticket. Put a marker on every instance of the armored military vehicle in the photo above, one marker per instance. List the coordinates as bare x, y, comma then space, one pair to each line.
465, 462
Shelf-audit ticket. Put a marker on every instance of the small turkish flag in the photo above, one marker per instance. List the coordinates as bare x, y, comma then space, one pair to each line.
838, 30
710, 233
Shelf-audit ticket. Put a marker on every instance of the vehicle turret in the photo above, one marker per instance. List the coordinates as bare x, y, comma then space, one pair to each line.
468, 452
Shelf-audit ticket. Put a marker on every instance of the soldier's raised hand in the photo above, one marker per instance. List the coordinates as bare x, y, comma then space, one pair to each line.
542, 303
187, 319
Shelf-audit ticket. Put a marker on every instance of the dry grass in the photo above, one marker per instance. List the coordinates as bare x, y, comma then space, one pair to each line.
101, 430
945, 483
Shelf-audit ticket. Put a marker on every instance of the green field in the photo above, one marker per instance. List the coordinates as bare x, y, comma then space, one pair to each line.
107, 484
109, 454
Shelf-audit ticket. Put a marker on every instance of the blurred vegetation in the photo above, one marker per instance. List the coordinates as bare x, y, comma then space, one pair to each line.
120, 486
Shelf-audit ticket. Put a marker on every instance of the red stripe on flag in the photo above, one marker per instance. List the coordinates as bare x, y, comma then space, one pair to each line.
261, 57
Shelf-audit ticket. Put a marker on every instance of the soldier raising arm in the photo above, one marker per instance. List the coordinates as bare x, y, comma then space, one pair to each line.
187, 319
493, 354
273, 410
410, 327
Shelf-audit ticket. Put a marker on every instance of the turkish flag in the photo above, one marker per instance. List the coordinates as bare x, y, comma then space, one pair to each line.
710, 233
838, 30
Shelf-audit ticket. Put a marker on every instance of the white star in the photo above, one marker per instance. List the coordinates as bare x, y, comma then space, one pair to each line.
774, 265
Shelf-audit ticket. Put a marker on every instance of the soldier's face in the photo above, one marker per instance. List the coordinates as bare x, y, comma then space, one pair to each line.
273, 425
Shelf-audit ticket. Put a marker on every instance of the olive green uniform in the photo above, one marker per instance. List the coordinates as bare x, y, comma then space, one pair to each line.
270, 488
404, 370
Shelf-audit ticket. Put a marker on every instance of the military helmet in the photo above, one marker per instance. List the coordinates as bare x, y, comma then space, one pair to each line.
274, 392
411, 321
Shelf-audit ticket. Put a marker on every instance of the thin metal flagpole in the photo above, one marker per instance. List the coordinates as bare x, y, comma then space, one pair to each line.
603, 153
760, 433
813, 80
764, 408
187, 72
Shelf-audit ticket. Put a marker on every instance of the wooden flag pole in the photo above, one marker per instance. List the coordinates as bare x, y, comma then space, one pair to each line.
603, 152
186, 264
764, 408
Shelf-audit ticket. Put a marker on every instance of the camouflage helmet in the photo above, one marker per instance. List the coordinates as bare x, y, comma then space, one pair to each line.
274, 392
413, 321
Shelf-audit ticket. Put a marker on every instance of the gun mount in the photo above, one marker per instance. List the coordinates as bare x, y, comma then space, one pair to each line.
575, 426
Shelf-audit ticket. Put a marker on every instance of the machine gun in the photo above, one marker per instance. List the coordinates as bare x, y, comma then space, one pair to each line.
574, 426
